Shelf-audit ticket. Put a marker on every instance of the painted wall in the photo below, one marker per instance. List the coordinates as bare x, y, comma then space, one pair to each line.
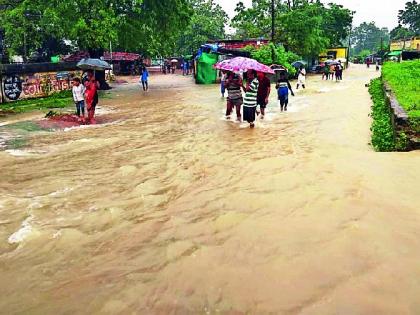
23, 86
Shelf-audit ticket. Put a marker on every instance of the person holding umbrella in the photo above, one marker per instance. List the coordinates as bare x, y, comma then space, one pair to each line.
250, 100
91, 96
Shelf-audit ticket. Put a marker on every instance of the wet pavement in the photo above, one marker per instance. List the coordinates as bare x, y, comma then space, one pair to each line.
170, 209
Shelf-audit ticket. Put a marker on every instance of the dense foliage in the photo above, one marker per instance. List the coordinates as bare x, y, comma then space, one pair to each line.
404, 80
271, 54
150, 26
208, 22
369, 37
410, 16
383, 139
305, 27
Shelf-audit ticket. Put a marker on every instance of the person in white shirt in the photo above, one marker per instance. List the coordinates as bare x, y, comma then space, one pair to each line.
301, 77
79, 96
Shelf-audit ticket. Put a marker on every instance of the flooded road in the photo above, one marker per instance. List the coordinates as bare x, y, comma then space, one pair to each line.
170, 209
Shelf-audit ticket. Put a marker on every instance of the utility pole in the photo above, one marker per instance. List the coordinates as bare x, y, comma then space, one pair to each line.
348, 49
273, 16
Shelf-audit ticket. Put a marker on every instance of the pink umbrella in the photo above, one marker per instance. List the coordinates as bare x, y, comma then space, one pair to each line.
242, 64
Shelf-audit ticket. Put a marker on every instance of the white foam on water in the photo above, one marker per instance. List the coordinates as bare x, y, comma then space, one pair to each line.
19, 152
20, 235
61, 191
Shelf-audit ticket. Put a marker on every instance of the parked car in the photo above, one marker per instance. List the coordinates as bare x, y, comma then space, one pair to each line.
316, 69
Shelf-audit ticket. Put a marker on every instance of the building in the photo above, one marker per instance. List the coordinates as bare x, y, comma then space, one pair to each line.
411, 44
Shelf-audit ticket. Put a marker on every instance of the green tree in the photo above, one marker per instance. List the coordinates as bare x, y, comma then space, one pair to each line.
367, 36
271, 54
151, 26
305, 27
410, 16
207, 23
400, 32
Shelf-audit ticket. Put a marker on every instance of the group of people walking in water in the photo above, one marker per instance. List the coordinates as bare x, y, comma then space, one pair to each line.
257, 91
333, 70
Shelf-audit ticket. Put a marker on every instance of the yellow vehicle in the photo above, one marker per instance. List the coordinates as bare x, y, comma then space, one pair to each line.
337, 53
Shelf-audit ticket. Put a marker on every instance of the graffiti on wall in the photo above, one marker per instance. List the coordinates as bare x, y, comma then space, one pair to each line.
36, 85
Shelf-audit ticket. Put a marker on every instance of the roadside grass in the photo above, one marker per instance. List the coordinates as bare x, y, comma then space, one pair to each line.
382, 130
58, 100
404, 79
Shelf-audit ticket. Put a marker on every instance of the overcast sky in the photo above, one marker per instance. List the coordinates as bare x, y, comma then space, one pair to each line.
383, 13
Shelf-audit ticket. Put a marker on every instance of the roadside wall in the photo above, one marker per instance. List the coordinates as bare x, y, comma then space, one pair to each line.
34, 81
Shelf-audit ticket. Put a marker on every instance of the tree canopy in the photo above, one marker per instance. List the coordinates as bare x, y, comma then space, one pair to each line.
149, 26
410, 17
367, 36
207, 22
305, 27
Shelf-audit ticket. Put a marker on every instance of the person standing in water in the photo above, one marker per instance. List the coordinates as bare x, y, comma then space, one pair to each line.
91, 96
235, 100
264, 90
301, 77
250, 100
222, 83
283, 86
144, 78
78, 91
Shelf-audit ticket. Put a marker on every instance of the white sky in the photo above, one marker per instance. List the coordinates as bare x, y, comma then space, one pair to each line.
383, 12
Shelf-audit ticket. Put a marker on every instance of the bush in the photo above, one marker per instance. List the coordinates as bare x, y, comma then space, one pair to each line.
383, 139
271, 54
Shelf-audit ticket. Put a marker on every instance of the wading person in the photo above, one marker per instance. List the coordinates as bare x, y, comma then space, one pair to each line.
250, 100
264, 90
144, 78
91, 96
283, 86
326, 72
223, 83
301, 77
79, 97
233, 85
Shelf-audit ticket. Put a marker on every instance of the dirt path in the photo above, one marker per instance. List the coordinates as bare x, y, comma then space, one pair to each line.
170, 209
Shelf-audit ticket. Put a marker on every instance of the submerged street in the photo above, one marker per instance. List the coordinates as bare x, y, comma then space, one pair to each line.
167, 208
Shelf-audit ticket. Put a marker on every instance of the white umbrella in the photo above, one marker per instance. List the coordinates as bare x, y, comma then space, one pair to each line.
93, 64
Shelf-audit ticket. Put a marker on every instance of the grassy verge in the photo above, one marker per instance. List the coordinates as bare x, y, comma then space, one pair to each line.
382, 130
384, 137
404, 81
58, 100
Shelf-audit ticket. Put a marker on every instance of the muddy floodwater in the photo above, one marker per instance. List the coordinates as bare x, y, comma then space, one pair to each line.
170, 209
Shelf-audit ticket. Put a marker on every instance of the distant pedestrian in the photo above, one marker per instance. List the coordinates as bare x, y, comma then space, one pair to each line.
264, 90
250, 100
79, 97
144, 78
332, 71
326, 72
283, 86
377, 65
301, 77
